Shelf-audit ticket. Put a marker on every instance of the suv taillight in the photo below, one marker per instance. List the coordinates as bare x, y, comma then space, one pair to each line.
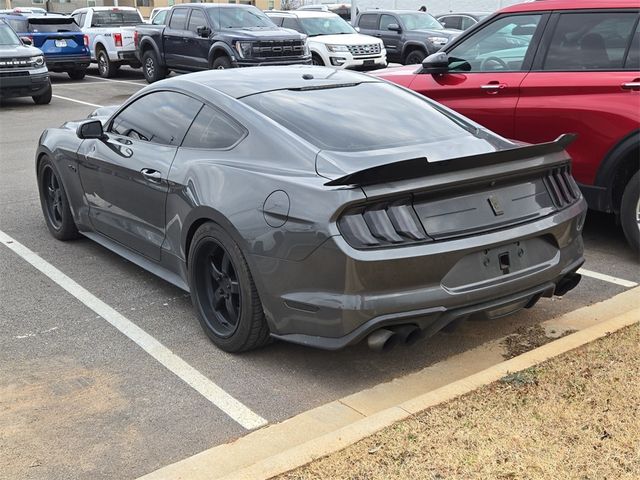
382, 225
117, 37
86, 41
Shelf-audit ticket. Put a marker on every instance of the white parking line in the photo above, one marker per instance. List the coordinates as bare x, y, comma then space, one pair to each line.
76, 101
607, 278
212, 392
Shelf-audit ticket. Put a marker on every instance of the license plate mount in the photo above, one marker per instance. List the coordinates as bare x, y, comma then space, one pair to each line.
61, 43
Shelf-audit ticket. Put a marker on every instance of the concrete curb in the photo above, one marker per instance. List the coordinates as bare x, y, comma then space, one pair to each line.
332, 427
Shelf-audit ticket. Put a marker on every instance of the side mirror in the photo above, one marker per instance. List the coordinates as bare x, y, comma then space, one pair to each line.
203, 31
90, 129
394, 27
436, 63
26, 40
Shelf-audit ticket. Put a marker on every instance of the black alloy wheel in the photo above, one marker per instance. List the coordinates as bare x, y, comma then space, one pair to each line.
55, 205
53, 199
223, 292
219, 285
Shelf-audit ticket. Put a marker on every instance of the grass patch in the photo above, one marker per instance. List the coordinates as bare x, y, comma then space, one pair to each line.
574, 417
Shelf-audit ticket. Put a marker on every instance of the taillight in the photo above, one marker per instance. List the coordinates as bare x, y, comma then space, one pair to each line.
117, 37
86, 41
382, 225
135, 38
562, 187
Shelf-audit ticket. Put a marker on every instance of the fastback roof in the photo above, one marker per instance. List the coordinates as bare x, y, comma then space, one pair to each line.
241, 82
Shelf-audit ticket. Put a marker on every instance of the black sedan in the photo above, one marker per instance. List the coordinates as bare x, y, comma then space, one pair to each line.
316, 206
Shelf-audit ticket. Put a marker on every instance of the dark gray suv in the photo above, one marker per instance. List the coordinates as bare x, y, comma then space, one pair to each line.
408, 36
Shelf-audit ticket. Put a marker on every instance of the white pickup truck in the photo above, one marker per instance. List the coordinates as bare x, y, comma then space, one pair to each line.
110, 34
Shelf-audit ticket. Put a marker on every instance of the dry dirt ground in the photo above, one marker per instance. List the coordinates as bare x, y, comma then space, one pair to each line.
576, 416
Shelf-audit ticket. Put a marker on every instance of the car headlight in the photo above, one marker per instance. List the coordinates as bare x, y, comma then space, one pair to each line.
37, 61
244, 49
306, 50
438, 40
337, 48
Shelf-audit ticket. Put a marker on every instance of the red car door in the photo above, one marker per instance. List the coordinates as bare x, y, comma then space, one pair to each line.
583, 83
486, 71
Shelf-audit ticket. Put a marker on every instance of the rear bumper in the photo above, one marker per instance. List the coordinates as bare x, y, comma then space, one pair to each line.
24, 85
67, 62
354, 292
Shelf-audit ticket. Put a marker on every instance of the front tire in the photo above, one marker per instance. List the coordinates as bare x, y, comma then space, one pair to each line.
44, 98
221, 63
77, 74
316, 60
151, 67
106, 68
54, 202
630, 212
414, 57
223, 292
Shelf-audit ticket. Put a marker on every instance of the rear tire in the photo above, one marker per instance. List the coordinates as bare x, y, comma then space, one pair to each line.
54, 202
106, 68
223, 292
221, 63
77, 74
151, 67
630, 212
414, 57
44, 98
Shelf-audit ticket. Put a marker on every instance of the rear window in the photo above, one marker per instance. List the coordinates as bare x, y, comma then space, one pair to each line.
365, 116
115, 17
48, 25
18, 25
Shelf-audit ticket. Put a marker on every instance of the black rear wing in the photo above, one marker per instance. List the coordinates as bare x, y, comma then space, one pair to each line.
420, 167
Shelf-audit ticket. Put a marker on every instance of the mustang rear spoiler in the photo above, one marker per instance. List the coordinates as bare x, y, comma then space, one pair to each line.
420, 167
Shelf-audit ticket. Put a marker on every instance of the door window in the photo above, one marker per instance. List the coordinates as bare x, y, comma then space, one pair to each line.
590, 41
160, 17
386, 20
213, 129
159, 117
291, 23
450, 22
633, 57
466, 22
368, 22
178, 19
197, 19
501, 45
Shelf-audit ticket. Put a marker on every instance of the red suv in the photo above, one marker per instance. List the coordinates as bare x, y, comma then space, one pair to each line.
536, 70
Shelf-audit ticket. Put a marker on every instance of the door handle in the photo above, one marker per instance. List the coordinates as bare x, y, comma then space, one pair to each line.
151, 174
632, 85
493, 87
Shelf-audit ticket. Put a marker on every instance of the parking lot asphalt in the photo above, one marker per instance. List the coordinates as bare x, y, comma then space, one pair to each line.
80, 399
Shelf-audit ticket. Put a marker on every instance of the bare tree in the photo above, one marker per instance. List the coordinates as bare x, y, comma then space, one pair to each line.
290, 4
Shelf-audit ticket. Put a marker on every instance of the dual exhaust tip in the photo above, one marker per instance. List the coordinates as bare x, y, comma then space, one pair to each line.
384, 339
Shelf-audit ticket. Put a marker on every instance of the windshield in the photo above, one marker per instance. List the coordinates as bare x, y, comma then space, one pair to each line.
358, 117
115, 17
419, 21
325, 26
8, 36
229, 17
48, 25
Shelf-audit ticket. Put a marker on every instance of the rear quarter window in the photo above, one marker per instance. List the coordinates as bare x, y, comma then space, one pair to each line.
212, 129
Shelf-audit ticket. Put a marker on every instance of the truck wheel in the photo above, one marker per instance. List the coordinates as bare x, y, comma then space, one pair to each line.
77, 74
151, 67
221, 63
630, 211
44, 98
106, 68
414, 57
316, 60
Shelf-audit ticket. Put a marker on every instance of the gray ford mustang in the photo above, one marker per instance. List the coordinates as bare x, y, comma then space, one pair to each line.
316, 206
